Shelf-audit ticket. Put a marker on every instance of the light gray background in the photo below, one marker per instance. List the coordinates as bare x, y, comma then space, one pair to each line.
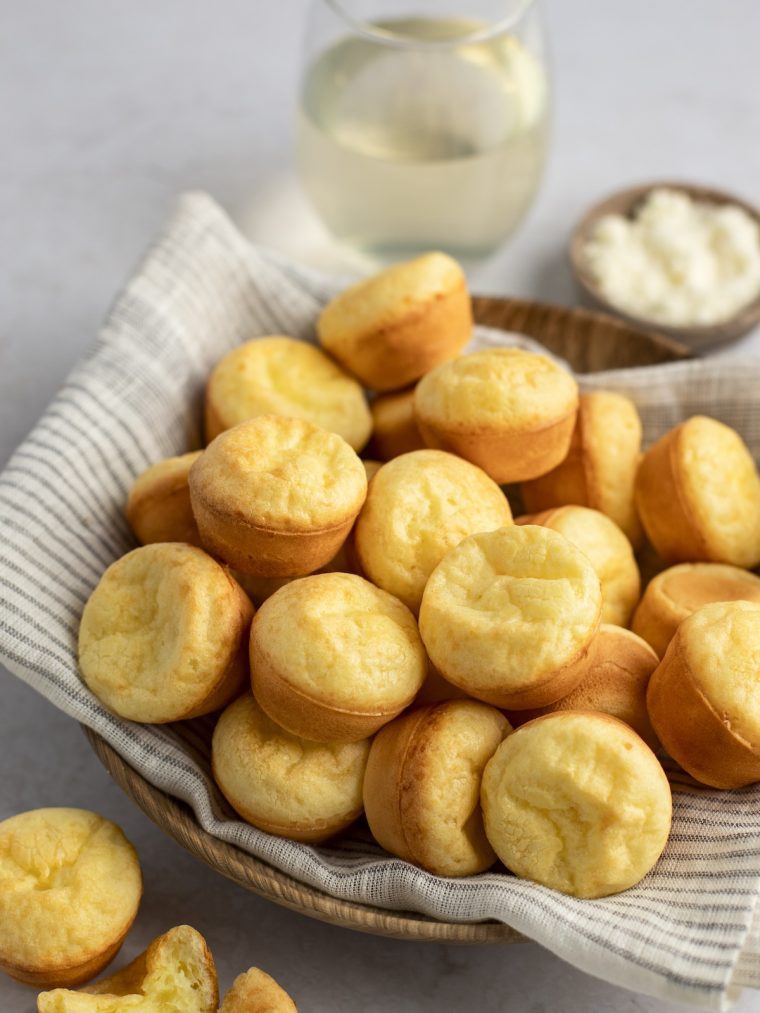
106, 111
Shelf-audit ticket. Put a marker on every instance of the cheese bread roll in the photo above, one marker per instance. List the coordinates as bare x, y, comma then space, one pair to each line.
698, 495
282, 376
509, 411
390, 329
679, 591
333, 658
158, 507
70, 887
163, 635
600, 468
422, 785
276, 496
510, 616
704, 697
281, 783
578, 802
418, 507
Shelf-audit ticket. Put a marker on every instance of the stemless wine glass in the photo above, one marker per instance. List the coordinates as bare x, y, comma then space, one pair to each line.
427, 130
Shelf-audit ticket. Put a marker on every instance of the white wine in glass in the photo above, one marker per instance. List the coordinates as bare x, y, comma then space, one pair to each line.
424, 132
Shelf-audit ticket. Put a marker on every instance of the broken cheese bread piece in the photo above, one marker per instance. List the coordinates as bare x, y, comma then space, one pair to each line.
255, 991
176, 974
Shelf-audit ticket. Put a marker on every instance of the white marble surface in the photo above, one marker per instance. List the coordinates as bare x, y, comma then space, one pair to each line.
106, 111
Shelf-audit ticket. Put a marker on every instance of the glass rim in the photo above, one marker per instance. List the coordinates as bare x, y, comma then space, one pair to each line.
387, 37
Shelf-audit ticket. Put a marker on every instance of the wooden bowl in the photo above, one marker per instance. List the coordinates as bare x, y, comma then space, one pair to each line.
590, 342
624, 203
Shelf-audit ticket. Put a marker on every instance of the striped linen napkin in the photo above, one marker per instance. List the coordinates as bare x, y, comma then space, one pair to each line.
687, 932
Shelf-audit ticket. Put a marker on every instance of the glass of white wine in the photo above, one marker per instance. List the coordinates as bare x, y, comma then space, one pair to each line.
427, 130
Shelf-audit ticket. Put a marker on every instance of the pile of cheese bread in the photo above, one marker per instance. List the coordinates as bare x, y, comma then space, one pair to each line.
382, 637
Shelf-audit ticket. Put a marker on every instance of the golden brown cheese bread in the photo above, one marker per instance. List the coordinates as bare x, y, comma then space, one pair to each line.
510, 616
158, 507
70, 887
704, 697
674, 594
419, 506
394, 429
163, 635
276, 496
282, 376
254, 991
509, 411
698, 495
333, 658
286, 785
620, 667
609, 551
175, 974
578, 802
599, 470
390, 329
422, 785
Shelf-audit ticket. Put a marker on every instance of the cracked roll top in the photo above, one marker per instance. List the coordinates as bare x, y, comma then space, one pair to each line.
163, 636
286, 785
578, 802
510, 616
276, 496
70, 887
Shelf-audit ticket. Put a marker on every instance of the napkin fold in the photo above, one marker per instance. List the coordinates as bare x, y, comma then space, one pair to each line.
688, 932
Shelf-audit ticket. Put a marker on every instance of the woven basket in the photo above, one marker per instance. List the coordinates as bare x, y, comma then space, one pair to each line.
590, 342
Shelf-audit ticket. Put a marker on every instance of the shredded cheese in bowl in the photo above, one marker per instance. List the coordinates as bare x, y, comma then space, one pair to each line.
677, 261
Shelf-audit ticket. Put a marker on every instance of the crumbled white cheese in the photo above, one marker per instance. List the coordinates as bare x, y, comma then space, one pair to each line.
677, 261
